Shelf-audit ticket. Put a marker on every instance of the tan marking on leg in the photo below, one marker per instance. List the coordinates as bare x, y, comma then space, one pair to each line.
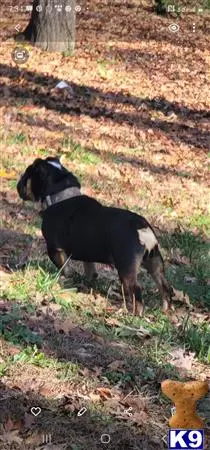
29, 192
60, 257
139, 310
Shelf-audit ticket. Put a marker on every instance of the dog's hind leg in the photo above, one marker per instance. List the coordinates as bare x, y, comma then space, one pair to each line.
127, 255
153, 262
90, 271
128, 276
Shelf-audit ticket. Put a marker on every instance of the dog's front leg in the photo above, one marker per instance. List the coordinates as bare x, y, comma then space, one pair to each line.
59, 257
90, 271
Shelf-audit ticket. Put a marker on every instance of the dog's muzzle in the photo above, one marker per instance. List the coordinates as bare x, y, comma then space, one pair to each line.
21, 188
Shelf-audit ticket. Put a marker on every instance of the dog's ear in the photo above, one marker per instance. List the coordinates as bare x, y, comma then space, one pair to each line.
52, 158
39, 178
55, 162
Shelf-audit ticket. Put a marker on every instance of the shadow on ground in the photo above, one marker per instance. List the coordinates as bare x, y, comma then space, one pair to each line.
82, 103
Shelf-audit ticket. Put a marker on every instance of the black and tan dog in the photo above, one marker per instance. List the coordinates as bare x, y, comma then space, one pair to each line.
77, 226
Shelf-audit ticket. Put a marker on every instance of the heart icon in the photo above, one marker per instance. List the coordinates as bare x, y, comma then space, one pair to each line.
35, 410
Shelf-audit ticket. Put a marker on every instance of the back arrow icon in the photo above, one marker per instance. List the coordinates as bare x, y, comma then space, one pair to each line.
17, 28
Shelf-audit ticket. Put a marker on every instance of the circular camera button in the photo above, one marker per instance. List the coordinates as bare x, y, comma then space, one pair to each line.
20, 55
105, 438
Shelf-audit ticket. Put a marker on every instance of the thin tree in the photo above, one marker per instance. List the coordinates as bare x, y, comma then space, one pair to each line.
52, 25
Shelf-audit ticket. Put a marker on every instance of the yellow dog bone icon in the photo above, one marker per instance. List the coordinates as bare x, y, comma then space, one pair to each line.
185, 396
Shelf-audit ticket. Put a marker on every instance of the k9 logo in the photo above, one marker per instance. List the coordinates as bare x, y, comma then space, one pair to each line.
186, 439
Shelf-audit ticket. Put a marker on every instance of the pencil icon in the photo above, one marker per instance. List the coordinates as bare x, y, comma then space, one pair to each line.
81, 412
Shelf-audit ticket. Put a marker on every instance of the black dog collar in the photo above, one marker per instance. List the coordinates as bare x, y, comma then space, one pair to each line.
60, 196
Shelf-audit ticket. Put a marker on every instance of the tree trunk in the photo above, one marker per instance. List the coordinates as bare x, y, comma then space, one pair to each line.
52, 25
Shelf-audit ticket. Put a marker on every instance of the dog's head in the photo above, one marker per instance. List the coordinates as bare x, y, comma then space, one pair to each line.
45, 177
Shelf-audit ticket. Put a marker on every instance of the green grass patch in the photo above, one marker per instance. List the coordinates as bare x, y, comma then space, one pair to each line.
16, 138
199, 292
196, 338
3, 369
193, 247
45, 281
206, 4
19, 288
14, 330
197, 250
68, 53
24, 285
104, 69
164, 336
128, 154
31, 355
12, 184
43, 152
76, 152
9, 163
202, 222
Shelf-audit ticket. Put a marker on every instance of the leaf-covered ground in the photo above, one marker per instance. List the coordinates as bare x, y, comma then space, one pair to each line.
133, 126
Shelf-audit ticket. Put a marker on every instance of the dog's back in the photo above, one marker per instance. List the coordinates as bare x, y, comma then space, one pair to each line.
79, 227
87, 230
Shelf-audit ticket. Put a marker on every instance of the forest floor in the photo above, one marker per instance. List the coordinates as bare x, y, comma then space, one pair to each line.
133, 126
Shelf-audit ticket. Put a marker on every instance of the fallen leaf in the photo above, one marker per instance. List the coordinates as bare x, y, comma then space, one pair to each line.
4, 274
139, 418
97, 371
113, 322
181, 360
10, 425
94, 397
85, 372
34, 439
115, 365
4, 278
12, 350
10, 437
181, 297
104, 392
178, 258
71, 405
138, 403
53, 308
114, 406
65, 326
8, 175
110, 309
